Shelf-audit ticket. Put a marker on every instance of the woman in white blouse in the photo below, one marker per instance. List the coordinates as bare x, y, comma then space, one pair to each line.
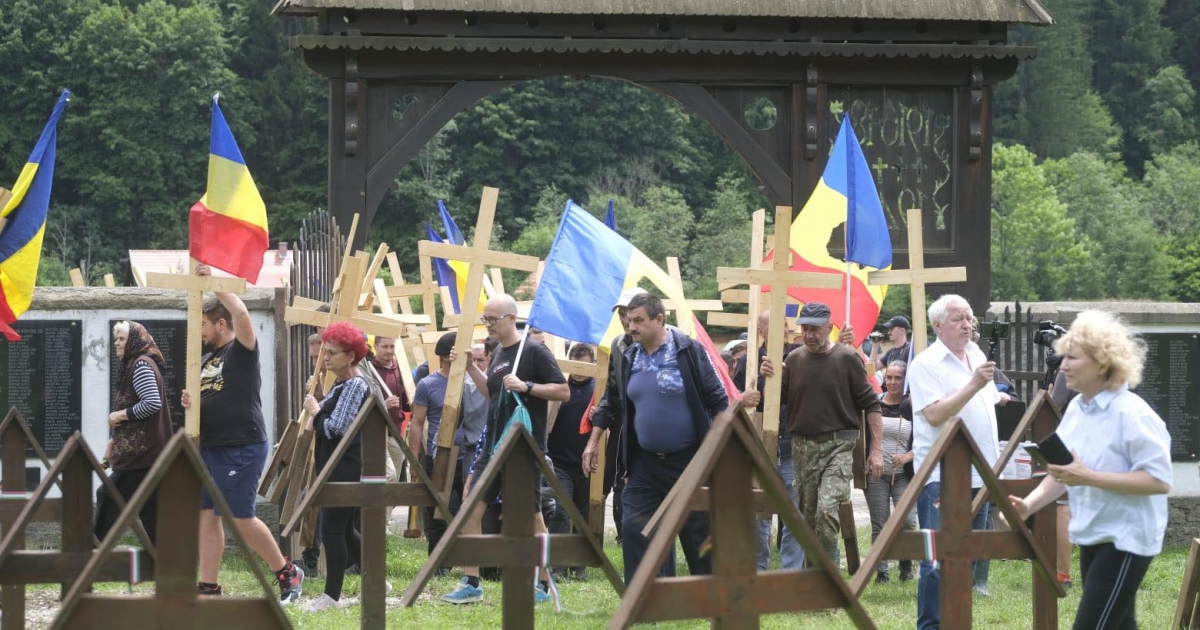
1119, 480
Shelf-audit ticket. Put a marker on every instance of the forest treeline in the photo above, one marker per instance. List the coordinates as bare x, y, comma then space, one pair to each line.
1096, 190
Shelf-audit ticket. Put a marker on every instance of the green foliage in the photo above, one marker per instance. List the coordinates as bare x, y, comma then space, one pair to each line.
1168, 120
722, 236
52, 273
1173, 190
1185, 250
1128, 261
1036, 253
661, 226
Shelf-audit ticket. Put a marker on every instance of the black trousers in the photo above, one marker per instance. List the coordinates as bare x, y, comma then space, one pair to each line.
1110, 582
127, 482
650, 479
436, 527
342, 541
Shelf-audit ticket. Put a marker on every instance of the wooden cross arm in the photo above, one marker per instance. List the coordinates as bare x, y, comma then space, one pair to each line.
516, 551
411, 290
48, 567
493, 258
411, 320
195, 283
742, 296
929, 275
370, 323
351, 494
733, 276
579, 368
699, 596
696, 305
981, 545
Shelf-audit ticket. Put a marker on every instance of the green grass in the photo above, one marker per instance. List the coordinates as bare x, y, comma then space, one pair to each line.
588, 605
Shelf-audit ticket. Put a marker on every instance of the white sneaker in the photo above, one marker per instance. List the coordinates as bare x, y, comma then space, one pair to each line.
387, 587
324, 602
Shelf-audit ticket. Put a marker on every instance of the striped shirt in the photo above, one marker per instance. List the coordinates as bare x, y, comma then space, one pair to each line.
146, 388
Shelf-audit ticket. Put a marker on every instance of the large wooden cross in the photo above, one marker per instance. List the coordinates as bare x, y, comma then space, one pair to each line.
516, 549
956, 544
178, 476
477, 257
374, 495
918, 277
195, 287
72, 471
736, 594
779, 277
697, 306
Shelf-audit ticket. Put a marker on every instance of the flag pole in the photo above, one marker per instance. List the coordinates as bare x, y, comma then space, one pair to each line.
520, 348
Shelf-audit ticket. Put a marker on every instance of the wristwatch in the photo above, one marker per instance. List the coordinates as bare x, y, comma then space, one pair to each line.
529, 386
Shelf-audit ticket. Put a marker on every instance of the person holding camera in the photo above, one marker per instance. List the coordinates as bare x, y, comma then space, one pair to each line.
897, 331
1121, 472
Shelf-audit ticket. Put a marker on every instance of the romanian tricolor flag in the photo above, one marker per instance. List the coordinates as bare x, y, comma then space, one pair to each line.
455, 271
23, 224
228, 226
847, 195
588, 267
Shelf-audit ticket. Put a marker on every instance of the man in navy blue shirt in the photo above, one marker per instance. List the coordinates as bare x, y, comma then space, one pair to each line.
672, 392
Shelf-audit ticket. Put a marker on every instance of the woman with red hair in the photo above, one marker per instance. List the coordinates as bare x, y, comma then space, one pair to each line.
331, 418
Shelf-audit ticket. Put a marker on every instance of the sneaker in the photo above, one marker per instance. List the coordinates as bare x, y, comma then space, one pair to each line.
982, 590
540, 594
464, 593
354, 569
881, 578
906, 576
579, 574
290, 577
210, 591
387, 587
324, 602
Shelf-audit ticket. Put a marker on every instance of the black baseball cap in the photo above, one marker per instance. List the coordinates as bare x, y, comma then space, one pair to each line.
898, 320
814, 314
445, 344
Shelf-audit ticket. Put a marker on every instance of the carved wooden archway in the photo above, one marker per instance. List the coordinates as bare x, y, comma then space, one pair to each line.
917, 80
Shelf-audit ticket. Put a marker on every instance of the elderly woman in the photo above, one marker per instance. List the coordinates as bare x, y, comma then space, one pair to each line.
141, 424
886, 491
330, 419
1121, 474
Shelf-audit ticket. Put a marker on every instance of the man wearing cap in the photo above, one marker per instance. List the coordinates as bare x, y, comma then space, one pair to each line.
672, 393
609, 413
826, 391
427, 418
897, 329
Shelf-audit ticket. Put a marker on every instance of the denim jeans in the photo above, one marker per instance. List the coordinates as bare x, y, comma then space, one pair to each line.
929, 612
791, 556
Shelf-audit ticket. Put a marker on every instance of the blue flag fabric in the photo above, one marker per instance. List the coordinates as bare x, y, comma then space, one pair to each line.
867, 240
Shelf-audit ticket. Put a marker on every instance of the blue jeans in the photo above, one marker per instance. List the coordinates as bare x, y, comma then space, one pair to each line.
791, 556
929, 612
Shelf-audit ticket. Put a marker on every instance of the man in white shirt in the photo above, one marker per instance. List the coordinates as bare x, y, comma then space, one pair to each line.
951, 379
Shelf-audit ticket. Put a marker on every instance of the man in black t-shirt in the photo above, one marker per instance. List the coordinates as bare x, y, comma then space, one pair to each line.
233, 441
537, 380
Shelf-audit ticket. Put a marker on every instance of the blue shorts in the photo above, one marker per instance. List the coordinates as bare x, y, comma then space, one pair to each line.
235, 469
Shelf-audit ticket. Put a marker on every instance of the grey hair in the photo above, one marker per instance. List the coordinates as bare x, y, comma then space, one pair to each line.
937, 310
121, 327
898, 364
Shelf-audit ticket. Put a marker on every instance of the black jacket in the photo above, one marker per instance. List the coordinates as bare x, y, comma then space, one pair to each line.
702, 387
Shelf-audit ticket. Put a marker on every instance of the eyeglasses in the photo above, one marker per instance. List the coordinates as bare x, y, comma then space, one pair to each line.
488, 320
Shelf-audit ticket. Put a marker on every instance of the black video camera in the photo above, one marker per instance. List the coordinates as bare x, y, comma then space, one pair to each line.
1047, 333
875, 337
994, 331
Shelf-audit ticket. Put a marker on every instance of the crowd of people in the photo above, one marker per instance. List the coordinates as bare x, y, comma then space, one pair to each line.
663, 392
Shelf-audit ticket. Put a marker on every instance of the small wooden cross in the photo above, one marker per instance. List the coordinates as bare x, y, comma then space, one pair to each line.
779, 277
918, 276
476, 257
195, 287
695, 305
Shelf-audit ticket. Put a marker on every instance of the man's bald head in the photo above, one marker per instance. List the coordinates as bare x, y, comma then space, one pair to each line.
764, 325
502, 304
500, 317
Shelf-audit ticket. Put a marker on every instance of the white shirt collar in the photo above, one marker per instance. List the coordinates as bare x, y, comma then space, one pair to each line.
1103, 399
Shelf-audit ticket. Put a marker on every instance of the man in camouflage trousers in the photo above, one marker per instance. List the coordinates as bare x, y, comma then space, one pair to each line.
826, 392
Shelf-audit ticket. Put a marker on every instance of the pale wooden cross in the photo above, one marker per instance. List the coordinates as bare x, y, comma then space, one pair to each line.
917, 276
195, 287
696, 305
476, 257
77, 280
779, 277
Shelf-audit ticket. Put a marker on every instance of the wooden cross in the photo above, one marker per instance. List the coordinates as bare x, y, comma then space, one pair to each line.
918, 277
178, 476
72, 471
956, 543
77, 280
476, 257
517, 549
729, 459
195, 287
1187, 612
374, 495
695, 305
779, 277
